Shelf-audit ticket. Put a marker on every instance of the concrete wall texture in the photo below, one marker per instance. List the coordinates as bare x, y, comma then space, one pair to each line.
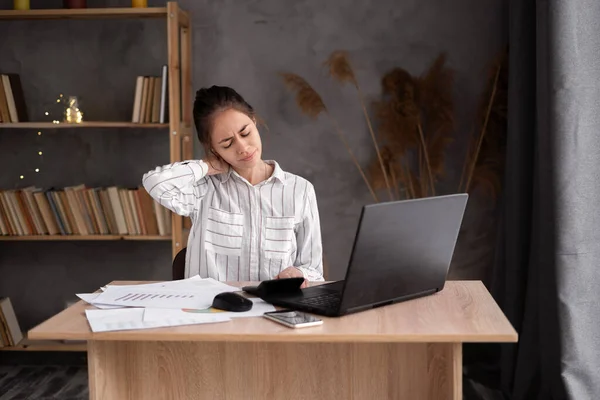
235, 43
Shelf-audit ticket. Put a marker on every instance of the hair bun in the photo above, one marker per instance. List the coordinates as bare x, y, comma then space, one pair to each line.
212, 99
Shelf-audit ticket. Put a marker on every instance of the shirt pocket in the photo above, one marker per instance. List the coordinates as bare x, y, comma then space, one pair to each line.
279, 234
224, 232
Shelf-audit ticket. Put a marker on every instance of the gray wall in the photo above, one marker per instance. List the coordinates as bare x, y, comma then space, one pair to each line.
243, 45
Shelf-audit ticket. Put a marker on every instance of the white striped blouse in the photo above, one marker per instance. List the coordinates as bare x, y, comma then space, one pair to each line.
240, 231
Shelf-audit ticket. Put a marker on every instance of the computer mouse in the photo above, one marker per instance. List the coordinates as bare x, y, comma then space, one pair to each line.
231, 301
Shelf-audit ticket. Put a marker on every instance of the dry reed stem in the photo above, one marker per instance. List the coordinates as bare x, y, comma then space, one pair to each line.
385, 176
466, 163
311, 103
360, 170
427, 164
406, 174
395, 180
483, 129
341, 69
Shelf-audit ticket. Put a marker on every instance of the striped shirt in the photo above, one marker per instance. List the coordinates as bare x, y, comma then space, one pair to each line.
240, 231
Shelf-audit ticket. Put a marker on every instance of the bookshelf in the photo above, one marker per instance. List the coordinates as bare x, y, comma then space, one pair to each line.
86, 124
96, 13
83, 237
45, 345
179, 126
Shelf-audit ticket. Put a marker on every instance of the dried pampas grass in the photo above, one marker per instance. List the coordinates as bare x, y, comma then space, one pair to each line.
341, 70
484, 164
309, 101
311, 104
416, 123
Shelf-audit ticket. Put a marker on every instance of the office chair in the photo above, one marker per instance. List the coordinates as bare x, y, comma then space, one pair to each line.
178, 268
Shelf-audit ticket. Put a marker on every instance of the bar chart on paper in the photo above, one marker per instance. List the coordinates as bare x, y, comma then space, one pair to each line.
157, 298
193, 293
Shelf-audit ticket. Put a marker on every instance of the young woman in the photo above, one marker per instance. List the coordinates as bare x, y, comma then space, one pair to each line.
251, 221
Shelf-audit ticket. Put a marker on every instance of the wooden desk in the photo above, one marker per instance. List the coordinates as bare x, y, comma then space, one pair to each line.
411, 350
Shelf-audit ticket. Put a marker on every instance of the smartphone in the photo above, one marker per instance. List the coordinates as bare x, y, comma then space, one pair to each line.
293, 319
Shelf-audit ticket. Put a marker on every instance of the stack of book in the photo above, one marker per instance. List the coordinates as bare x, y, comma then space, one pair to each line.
10, 332
12, 99
150, 104
78, 210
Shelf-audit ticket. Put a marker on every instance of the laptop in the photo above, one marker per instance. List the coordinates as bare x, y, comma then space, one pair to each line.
402, 250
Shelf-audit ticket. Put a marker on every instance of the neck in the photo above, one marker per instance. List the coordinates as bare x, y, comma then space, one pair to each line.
259, 173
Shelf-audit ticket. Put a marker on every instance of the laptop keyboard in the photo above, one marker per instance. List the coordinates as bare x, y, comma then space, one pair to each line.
322, 300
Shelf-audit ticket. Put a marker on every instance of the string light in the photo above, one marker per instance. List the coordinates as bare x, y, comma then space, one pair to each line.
73, 114
40, 153
37, 170
39, 133
21, 177
46, 113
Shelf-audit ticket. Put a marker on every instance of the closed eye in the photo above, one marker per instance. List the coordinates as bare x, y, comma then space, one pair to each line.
231, 139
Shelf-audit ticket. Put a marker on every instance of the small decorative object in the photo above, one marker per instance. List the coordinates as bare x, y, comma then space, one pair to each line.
139, 3
21, 4
73, 114
74, 4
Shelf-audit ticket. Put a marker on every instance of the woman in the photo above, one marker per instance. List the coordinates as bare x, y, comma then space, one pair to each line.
250, 219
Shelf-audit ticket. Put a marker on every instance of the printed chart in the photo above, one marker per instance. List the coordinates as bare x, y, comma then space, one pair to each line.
155, 298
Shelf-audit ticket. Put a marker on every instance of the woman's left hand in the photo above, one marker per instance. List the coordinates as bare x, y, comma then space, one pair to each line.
292, 272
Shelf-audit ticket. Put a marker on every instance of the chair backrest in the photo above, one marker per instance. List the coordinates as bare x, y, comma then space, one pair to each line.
179, 265
325, 268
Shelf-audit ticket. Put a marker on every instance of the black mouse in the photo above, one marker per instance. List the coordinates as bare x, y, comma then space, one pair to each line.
231, 301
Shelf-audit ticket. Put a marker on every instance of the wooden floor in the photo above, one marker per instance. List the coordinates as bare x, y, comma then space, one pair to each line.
43, 382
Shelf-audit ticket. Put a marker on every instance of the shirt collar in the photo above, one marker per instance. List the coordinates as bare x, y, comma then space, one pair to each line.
278, 173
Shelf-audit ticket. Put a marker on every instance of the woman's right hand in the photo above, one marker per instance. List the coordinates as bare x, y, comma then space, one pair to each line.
216, 165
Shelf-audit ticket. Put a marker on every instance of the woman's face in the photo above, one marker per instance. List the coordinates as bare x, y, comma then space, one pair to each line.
235, 138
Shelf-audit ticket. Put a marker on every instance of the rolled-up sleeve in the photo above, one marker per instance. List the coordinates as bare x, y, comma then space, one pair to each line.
178, 186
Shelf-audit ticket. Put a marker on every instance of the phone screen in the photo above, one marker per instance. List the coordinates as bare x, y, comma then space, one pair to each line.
294, 318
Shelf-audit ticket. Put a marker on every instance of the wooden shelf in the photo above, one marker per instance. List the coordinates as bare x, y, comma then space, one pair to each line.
46, 345
65, 125
180, 108
83, 237
85, 13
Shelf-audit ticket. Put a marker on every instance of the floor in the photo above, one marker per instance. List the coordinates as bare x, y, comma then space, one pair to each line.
43, 382
26, 375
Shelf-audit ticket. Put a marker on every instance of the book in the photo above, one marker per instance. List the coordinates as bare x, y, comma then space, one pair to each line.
79, 210
12, 99
10, 322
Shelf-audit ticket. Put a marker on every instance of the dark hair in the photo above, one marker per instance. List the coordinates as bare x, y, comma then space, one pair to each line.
208, 102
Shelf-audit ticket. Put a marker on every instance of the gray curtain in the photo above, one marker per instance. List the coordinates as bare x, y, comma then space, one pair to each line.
547, 274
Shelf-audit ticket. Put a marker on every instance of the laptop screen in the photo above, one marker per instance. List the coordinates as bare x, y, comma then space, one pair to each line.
402, 249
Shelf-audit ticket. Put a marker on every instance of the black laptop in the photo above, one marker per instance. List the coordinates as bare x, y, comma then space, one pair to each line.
402, 250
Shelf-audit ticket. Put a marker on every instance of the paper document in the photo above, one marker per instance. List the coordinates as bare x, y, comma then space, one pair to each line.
133, 318
90, 297
162, 304
156, 314
193, 283
194, 294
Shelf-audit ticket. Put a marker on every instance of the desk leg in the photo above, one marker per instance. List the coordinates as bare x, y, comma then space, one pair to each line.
224, 371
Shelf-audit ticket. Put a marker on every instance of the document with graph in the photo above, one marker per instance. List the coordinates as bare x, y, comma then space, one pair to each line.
199, 296
155, 298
